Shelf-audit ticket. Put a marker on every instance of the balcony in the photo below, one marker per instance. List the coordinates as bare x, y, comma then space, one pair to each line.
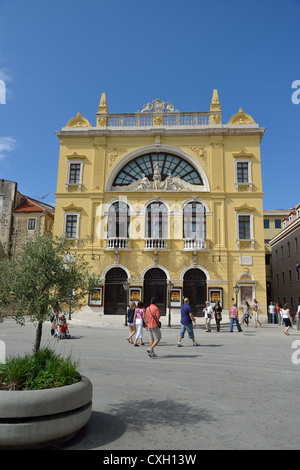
196, 244
156, 244
116, 243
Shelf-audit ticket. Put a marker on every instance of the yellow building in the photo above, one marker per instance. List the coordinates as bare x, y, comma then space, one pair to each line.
170, 203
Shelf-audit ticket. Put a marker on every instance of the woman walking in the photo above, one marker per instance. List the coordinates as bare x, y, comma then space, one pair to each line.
255, 313
218, 314
246, 313
130, 315
138, 320
286, 317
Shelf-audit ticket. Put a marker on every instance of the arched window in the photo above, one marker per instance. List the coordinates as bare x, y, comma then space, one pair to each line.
157, 220
194, 221
118, 220
167, 163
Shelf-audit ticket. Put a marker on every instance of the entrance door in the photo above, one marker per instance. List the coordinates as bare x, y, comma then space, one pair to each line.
194, 287
155, 285
115, 299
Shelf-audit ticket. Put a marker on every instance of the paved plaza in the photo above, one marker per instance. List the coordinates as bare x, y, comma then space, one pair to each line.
234, 391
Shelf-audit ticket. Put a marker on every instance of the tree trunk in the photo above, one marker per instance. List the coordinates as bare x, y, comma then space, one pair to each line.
38, 337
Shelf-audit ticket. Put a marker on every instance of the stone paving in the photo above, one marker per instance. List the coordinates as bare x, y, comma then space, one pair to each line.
234, 391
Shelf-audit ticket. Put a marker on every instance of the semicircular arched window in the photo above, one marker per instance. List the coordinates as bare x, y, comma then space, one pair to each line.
167, 163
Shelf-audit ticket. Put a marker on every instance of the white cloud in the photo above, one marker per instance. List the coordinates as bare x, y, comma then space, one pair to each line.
7, 144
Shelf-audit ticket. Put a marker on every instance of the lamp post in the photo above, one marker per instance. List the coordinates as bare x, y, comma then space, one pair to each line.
170, 287
126, 289
236, 290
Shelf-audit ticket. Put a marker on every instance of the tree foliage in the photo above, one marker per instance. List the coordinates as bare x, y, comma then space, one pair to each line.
45, 271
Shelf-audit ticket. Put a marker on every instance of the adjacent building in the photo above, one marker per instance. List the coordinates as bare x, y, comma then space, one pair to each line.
272, 226
21, 217
286, 260
165, 203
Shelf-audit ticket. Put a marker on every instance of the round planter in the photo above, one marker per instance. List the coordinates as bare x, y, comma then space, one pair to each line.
39, 418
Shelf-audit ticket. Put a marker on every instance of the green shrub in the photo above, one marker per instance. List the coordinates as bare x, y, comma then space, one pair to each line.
44, 369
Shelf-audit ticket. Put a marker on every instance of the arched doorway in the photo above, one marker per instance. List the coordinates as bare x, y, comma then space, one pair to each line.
194, 287
155, 285
115, 298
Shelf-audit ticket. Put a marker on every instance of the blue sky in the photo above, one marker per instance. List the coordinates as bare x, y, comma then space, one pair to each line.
56, 58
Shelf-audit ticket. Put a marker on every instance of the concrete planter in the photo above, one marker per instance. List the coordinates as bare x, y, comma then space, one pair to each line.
37, 418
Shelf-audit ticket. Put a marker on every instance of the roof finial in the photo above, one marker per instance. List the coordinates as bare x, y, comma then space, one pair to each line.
102, 108
215, 103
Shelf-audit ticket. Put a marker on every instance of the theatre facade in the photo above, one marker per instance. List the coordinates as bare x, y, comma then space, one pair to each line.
164, 203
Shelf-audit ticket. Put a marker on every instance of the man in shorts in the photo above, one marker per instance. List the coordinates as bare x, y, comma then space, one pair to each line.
187, 321
152, 317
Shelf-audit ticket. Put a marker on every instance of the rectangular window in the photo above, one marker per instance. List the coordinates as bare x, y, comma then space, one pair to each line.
31, 224
289, 248
290, 275
244, 227
71, 226
242, 172
74, 173
277, 279
296, 244
282, 275
266, 223
277, 223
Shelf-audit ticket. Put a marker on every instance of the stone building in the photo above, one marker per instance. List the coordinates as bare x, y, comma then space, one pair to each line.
30, 218
272, 226
286, 261
9, 198
170, 204
21, 217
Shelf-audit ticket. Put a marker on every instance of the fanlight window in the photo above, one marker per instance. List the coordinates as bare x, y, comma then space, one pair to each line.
194, 220
168, 163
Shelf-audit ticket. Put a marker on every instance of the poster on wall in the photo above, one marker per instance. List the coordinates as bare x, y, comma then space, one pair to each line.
95, 297
215, 294
175, 297
135, 294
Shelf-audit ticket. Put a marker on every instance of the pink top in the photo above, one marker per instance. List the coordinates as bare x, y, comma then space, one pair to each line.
151, 323
234, 312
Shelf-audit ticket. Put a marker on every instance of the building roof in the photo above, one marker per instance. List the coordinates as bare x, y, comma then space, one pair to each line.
31, 205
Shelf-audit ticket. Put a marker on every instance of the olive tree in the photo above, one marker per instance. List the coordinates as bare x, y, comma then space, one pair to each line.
45, 271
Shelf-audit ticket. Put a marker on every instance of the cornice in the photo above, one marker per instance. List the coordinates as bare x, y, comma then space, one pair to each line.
284, 232
225, 130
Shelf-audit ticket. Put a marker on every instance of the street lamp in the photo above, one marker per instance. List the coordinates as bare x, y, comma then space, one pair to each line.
170, 287
236, 290
126, 289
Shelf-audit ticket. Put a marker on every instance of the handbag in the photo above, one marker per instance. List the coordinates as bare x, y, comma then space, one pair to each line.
158, 322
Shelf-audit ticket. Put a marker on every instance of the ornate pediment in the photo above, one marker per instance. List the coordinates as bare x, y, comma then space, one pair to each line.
78, 121
241, 118
158, 106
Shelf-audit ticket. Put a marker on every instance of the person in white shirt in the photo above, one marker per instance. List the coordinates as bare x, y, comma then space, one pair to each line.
208, 311
298, 317
286, 316
271, 310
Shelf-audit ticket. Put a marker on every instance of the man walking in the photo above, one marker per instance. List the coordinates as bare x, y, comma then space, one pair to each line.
152, 317
234, 317
187, 321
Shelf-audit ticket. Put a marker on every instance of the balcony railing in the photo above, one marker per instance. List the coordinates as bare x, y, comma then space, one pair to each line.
175, 119
193, 244
155, 244
117, 243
